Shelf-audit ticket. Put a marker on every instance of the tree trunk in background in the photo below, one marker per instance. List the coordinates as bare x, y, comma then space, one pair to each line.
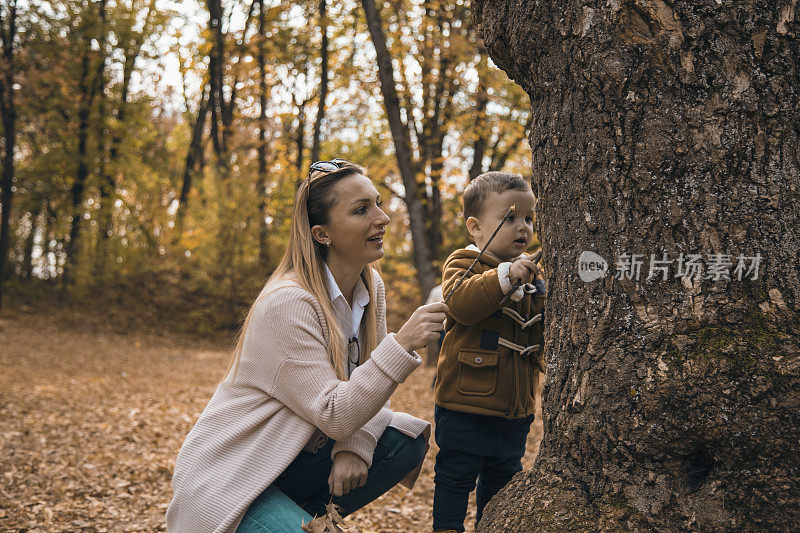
300, 138
9, 111
216, 70
669, 404
27, 258
437, 107
193, 156
90, 86
108, 182
263, 226
481, 131
82, 172
499, 157
323, 81
402, 145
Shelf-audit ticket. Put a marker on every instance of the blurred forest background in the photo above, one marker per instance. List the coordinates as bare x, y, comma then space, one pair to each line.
151, 148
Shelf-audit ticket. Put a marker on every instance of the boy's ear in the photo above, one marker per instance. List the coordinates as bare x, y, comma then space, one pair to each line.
474, 227
320, 234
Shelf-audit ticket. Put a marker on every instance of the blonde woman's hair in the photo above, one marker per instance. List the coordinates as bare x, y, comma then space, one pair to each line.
304, 262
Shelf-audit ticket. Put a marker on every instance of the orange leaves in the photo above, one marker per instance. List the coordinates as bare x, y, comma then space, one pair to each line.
330, 522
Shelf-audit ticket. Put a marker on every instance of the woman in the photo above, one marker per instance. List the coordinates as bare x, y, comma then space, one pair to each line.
303, 415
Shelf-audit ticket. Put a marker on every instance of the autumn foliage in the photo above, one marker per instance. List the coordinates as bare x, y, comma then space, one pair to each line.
157, 152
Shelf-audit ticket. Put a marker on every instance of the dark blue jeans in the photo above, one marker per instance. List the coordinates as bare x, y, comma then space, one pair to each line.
473, 447
301, 491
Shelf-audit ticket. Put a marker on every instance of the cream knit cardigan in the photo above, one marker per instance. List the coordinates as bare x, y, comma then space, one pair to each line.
254, 426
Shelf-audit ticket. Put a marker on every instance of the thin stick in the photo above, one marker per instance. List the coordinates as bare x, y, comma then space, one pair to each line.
464, 275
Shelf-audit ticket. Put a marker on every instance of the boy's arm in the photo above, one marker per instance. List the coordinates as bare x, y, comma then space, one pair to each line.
478, 296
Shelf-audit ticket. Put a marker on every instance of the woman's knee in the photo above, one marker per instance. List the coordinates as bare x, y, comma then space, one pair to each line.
413, 451
402, 449
419, 449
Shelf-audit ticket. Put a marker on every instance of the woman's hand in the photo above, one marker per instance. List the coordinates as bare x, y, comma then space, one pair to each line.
422, 327
349, 472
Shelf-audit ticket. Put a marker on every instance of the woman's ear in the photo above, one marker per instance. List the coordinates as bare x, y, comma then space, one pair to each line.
320, 234
474, 227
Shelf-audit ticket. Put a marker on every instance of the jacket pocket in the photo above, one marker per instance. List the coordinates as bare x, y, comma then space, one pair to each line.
477, 372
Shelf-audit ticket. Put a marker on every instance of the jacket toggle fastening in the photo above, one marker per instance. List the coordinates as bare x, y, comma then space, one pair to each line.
523, 350
516, 317
524, 324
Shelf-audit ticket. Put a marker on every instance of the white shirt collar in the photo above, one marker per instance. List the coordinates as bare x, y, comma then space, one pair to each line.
360, 292
473, 248
334, 291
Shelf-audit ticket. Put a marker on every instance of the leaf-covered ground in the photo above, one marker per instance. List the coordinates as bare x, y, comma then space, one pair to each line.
91, 422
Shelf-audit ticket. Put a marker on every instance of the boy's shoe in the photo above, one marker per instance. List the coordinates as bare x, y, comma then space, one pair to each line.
445, 531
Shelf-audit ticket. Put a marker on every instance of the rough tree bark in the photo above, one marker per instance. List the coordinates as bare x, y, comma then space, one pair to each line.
662, 128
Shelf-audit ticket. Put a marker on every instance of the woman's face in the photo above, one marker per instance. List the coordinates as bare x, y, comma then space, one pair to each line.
356, 223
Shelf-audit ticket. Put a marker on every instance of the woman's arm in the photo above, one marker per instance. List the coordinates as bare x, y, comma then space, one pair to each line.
284, 354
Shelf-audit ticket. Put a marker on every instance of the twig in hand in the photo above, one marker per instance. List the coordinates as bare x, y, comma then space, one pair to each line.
535, 257
464, 275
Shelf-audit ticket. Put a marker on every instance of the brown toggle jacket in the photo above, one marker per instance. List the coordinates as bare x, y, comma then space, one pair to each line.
491, 357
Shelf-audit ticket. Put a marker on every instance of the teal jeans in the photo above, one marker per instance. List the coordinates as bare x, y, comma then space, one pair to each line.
301, 491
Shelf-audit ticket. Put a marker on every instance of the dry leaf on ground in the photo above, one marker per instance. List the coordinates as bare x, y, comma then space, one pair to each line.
330, 522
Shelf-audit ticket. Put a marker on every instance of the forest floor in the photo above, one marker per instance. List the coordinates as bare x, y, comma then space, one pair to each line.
92, 418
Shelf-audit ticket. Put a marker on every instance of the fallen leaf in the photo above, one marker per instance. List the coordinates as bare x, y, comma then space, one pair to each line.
330, 522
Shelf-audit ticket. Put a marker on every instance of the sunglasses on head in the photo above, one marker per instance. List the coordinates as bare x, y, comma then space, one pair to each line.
327, 166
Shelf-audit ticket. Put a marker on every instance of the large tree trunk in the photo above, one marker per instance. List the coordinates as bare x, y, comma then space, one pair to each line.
669, 404
9, 111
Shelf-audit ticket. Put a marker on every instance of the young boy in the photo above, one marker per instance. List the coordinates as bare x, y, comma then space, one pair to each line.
491, 357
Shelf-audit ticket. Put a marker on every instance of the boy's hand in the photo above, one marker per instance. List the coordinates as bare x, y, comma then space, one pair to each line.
522, 271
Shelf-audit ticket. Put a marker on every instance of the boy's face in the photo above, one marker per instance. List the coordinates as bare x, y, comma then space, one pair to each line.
517, 232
